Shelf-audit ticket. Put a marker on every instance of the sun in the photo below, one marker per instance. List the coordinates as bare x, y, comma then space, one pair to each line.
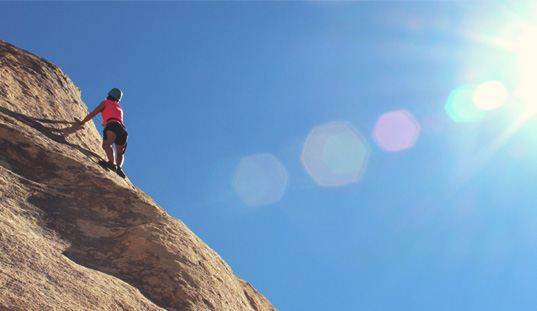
526, 49
518, 87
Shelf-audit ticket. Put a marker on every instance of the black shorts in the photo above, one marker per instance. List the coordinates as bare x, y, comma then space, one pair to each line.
120, 131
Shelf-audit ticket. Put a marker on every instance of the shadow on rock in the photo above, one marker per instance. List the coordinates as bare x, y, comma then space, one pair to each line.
56, 134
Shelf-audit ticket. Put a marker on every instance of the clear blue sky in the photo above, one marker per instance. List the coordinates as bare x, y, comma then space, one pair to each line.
328, 151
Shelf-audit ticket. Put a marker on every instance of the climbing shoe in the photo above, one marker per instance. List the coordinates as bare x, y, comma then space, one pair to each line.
119, 171
109, 165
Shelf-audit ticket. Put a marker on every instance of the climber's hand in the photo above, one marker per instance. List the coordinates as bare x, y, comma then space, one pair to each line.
79, 123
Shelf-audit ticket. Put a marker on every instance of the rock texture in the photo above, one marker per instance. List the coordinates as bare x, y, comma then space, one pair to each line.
76, 237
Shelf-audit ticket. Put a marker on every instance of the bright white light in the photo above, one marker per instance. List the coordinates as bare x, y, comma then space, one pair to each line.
526, 47
490, 95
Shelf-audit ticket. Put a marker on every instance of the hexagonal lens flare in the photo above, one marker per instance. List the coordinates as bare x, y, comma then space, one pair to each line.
396, 130
260, 179
335, 154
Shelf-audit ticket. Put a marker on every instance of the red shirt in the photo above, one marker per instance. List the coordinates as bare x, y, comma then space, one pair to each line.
112, 110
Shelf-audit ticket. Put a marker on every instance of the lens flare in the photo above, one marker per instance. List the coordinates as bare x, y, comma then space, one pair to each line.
396, 130
460, 105
260, 180
490, 95
335, 154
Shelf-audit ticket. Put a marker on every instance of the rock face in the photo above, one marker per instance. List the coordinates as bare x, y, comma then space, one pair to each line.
76, 237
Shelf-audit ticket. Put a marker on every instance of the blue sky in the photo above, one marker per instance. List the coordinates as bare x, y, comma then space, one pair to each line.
330, 152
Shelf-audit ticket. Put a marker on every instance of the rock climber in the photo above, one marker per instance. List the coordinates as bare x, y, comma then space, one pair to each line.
114, 131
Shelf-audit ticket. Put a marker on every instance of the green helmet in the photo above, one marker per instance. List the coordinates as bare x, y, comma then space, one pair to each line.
115, 93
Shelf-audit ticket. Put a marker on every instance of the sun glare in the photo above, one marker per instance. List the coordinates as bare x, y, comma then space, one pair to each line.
528, 95
526, 48
490, 95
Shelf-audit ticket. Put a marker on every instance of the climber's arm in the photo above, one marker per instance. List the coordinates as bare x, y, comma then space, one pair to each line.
92, 114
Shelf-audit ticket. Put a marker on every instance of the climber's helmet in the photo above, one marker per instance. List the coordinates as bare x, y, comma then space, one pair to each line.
115, 93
